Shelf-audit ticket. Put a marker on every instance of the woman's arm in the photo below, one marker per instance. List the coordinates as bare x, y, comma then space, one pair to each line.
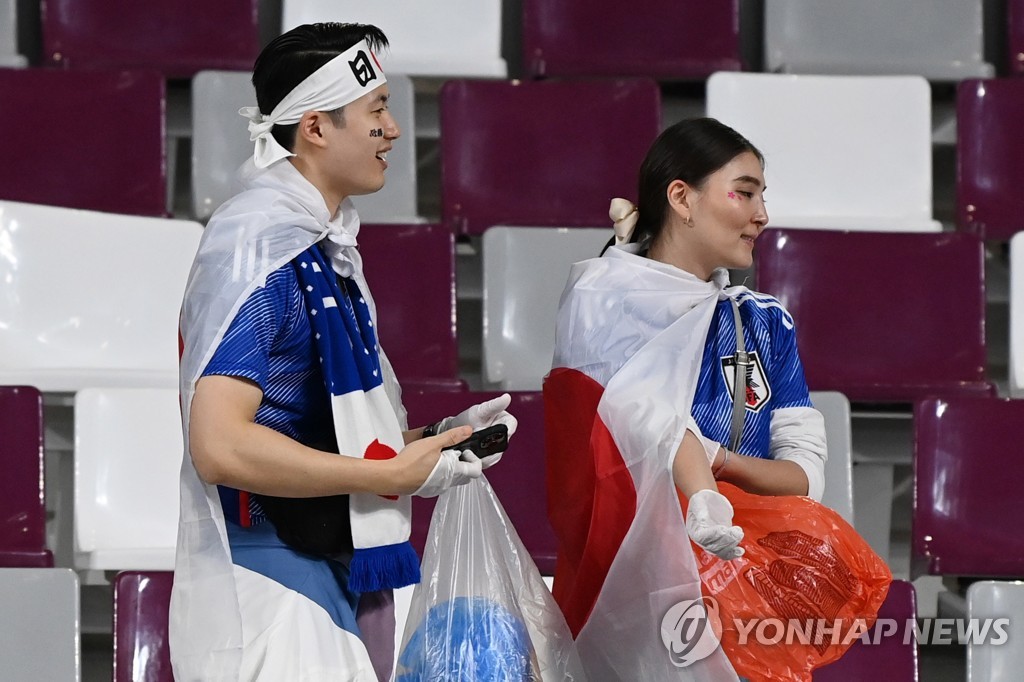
690, 470
709, 513
798, 454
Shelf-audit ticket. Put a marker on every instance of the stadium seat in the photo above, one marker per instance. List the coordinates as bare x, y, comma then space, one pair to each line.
989, 660
938, 39
1015, 41
411, 272
891, 654
141, 603
525, 270
82, 160
176, 38
9, 56
990, 156
22, 512
220, 144
92, 299
587, 38
1017, 316
839, 467
444, 38
518, 480
967, 481
39, 630
862, 159
882, 317
128, 450
220, 137
541, 153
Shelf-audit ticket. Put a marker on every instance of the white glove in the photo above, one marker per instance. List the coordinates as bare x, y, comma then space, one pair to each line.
709, 524
449, 472
485, 462
481, 416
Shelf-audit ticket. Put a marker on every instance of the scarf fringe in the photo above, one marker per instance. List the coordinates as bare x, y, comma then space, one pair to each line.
383, 568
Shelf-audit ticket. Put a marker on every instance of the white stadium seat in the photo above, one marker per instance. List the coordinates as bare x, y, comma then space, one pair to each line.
444, 38
90, 299
939, 39
841, 152
525, 270
40, 625
128, 452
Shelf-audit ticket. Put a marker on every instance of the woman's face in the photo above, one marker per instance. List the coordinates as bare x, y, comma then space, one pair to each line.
727, 214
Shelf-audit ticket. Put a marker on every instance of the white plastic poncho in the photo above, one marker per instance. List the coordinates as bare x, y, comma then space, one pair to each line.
277, 216
638, 327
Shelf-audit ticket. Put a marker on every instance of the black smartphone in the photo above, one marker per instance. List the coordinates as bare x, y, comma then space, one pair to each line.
485, 442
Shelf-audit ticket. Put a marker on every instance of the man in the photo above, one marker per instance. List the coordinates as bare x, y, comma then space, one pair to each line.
287, 550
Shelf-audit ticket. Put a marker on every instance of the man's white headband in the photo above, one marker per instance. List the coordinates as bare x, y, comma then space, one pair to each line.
344, 79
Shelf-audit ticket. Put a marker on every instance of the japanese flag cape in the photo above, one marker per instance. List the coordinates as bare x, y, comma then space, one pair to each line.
635, 330
277, 217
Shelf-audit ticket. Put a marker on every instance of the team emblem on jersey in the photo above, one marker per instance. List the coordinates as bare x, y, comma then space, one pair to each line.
757, 388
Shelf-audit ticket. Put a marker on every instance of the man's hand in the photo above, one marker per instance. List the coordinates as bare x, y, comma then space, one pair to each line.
427, 467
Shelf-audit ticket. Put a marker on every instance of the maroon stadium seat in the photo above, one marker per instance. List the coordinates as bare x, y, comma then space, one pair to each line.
968, 477
518, 479
141, 602
22, 511
882, 316
541, 153
891, 655
1015, 42
990, 156
411, 272
610, 38
99, 145
176, 38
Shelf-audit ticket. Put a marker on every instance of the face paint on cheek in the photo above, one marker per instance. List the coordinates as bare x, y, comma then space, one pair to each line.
377, 132
732, 195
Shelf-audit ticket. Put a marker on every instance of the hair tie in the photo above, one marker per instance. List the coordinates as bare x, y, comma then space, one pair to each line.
624, 215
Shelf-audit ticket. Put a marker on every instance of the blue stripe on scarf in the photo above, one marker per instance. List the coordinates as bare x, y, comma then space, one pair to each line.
345, 340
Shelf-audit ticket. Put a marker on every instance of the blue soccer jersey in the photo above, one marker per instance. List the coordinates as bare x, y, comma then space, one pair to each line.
270, 342
776, 379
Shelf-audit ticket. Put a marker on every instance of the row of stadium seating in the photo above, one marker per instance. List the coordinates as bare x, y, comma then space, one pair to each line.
938, 39
128, 448
93, 300
862, 159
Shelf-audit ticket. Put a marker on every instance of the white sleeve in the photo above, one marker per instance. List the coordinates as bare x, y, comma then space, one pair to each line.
798, 435
710, 447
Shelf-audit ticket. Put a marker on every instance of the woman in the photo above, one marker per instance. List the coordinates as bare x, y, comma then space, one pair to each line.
647, 342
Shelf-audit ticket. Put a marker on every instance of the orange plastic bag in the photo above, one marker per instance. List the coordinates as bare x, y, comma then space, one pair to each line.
805, 590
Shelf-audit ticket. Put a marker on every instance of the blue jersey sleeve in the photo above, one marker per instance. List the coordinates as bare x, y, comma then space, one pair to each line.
786, 372
246, 347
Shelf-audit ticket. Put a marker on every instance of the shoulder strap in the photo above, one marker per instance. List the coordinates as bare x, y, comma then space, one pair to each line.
741, 361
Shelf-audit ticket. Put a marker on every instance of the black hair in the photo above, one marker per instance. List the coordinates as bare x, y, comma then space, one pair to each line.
690, 150
293, 56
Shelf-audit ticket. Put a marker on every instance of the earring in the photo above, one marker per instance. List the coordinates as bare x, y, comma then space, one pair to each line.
689, 221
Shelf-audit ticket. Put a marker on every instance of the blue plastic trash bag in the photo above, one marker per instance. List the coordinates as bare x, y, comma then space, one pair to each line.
482, 613
471, 639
